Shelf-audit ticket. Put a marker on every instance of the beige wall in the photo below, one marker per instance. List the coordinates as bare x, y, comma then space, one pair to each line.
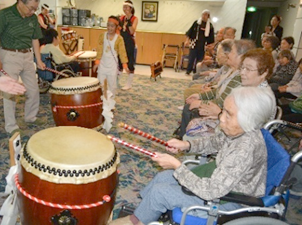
175, 16
288, 16
297, 34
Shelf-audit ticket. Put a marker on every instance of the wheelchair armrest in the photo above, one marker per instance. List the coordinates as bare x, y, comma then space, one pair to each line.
242, 199
190, 161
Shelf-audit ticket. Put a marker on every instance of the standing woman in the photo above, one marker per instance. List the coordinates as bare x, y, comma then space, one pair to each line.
276, 28
44, 20
129, 24
200, 34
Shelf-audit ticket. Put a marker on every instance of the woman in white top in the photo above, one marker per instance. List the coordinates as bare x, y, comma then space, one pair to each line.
52, 46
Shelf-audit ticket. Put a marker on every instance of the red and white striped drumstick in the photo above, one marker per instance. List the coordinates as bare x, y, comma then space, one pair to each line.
57, 72
134, 147
143, 134
5, 73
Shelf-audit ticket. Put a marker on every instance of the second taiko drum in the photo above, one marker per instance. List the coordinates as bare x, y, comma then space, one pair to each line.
77, 102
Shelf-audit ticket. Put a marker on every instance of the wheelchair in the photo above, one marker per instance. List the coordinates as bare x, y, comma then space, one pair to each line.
45, 77
270, 209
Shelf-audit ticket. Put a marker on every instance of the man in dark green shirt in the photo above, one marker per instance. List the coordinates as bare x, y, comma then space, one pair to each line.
19, 38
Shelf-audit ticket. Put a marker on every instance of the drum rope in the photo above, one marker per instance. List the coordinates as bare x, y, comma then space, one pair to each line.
75, 107
106, 198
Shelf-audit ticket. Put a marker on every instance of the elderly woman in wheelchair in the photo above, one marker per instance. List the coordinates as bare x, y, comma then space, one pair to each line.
240, 165
55, 59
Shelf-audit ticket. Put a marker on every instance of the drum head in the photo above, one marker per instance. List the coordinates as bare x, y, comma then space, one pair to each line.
75, 85
69, 155
86, 54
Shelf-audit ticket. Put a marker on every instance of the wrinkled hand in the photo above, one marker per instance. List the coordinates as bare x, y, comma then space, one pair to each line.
195, 104
206, 73
11, 86
205, 88
208, 62
41, 65
192, 98
210, 110
209, 47
166, 161
282, 89
174, 145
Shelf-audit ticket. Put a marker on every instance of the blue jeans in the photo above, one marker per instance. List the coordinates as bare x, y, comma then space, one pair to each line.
164, 193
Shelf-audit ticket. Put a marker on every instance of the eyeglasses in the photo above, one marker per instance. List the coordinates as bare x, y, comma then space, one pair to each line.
247, 69
33, 10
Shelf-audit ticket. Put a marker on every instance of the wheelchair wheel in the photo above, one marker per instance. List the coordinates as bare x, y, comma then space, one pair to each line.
256, 220
68, 72
43, 85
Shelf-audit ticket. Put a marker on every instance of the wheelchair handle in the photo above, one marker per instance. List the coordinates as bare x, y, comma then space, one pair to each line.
248, 209
282, 122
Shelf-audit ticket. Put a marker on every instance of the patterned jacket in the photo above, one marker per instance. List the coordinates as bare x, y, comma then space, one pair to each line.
241, 166
284, 73
232, 81
295, 85
119, 47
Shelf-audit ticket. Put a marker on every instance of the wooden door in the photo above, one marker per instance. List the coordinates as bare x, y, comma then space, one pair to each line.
94, 37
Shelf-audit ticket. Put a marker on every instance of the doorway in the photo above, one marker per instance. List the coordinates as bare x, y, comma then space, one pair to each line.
255, 22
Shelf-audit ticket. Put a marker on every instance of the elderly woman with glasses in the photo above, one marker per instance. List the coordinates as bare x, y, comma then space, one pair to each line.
215, 97
240, 165
256, 67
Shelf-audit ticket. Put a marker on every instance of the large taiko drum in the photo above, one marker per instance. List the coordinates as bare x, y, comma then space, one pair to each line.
67, 174
86, 61
77, 101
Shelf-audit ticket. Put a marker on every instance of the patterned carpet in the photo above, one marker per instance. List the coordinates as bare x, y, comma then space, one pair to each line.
150, 106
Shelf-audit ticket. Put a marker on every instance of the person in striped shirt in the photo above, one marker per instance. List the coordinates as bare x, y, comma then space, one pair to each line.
19, 37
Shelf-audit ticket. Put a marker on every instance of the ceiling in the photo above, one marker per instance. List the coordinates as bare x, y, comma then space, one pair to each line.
265, 3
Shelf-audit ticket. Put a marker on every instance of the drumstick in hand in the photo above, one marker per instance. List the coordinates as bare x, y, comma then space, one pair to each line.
143, 134
134, 147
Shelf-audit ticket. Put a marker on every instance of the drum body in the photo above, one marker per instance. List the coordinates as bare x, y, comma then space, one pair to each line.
77, 101
67, 166
86, 61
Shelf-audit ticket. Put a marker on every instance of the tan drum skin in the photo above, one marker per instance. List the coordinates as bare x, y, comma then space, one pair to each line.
79, 92
77, 151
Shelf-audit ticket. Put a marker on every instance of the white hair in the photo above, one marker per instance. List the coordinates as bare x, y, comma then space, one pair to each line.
206, 11
255, 106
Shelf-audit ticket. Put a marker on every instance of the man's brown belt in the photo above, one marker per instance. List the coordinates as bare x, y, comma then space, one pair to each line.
18, 50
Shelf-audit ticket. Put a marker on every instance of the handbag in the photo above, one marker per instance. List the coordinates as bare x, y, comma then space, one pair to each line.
296, 106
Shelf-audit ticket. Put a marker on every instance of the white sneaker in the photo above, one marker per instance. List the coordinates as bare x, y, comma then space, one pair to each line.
180, 107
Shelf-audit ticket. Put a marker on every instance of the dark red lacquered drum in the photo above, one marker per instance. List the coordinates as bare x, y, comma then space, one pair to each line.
71, 166
77, 101
86, 61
